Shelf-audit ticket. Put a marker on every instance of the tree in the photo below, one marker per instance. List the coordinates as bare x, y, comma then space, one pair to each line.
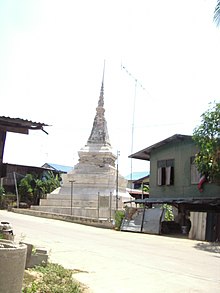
216, 17
207, 138
26, 187
33, 187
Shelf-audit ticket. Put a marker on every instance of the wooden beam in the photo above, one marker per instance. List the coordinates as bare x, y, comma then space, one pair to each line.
2, 144
16, 129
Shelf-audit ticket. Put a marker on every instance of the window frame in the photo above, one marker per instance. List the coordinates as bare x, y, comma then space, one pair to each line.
194, 173
165, 172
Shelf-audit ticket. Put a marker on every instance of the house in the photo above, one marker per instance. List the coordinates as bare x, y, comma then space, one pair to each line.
16, 125
57, 168
138, 184
174, 180
135, 179
14, 173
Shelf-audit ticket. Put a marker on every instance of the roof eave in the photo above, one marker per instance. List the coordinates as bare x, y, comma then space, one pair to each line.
144, 154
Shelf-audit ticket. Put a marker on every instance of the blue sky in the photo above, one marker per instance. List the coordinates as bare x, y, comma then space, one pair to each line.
52, 55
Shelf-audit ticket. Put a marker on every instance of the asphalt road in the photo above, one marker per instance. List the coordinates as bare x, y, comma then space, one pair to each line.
123, 262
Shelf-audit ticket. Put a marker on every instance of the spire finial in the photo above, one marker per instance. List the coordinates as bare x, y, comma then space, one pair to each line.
103, 75
99, 133
101, 98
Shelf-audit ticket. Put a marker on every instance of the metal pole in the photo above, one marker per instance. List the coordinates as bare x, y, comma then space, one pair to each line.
142, 221
16, 189
137, 83
110, 206
71, 199
142, 188
98, 203
132, 130
118, 153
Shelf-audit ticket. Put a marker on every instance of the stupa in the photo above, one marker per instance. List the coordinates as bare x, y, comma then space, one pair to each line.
95, 182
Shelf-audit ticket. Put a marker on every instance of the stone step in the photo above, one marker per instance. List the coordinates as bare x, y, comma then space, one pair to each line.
75, 211
80, 194
83, 196
67, 203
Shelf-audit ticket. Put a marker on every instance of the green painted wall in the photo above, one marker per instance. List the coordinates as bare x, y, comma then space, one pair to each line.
181, 152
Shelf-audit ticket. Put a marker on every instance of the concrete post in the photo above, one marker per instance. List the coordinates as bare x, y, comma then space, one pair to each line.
12, 265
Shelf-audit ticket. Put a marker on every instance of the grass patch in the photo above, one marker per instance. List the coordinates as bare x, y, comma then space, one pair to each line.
52, 278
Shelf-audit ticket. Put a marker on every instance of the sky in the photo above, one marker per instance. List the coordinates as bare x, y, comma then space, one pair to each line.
51, 64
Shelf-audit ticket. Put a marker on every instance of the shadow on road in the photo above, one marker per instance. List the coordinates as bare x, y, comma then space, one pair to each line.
209, 246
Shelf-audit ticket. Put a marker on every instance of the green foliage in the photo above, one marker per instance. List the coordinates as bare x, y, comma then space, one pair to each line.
50, 181
26, 186
53, 278
145, 188
119, 216
2, 191
6, 200
33, 187
169, 216
207, 138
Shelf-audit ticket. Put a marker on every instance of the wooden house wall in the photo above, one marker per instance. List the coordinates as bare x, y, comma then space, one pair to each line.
181, 152
8, 182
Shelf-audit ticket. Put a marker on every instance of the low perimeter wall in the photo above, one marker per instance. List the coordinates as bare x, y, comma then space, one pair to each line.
68, 218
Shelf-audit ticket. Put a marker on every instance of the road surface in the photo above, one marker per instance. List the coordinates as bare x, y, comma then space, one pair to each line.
123, 262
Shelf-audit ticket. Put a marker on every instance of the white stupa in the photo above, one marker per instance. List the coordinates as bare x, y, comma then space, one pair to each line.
94, 177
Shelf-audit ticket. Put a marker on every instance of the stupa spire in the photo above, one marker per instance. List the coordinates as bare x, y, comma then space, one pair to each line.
101, 97
99, 133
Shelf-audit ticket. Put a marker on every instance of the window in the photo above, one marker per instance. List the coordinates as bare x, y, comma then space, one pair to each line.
195, 175
165, 172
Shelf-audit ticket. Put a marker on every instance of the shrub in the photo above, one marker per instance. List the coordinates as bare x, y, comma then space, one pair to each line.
6, 200
119, 216
52, 278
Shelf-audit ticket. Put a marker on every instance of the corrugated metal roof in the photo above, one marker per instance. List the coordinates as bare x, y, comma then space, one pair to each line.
21, 121
20, 125
171, 200
137, 175
59, 168
145, 153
